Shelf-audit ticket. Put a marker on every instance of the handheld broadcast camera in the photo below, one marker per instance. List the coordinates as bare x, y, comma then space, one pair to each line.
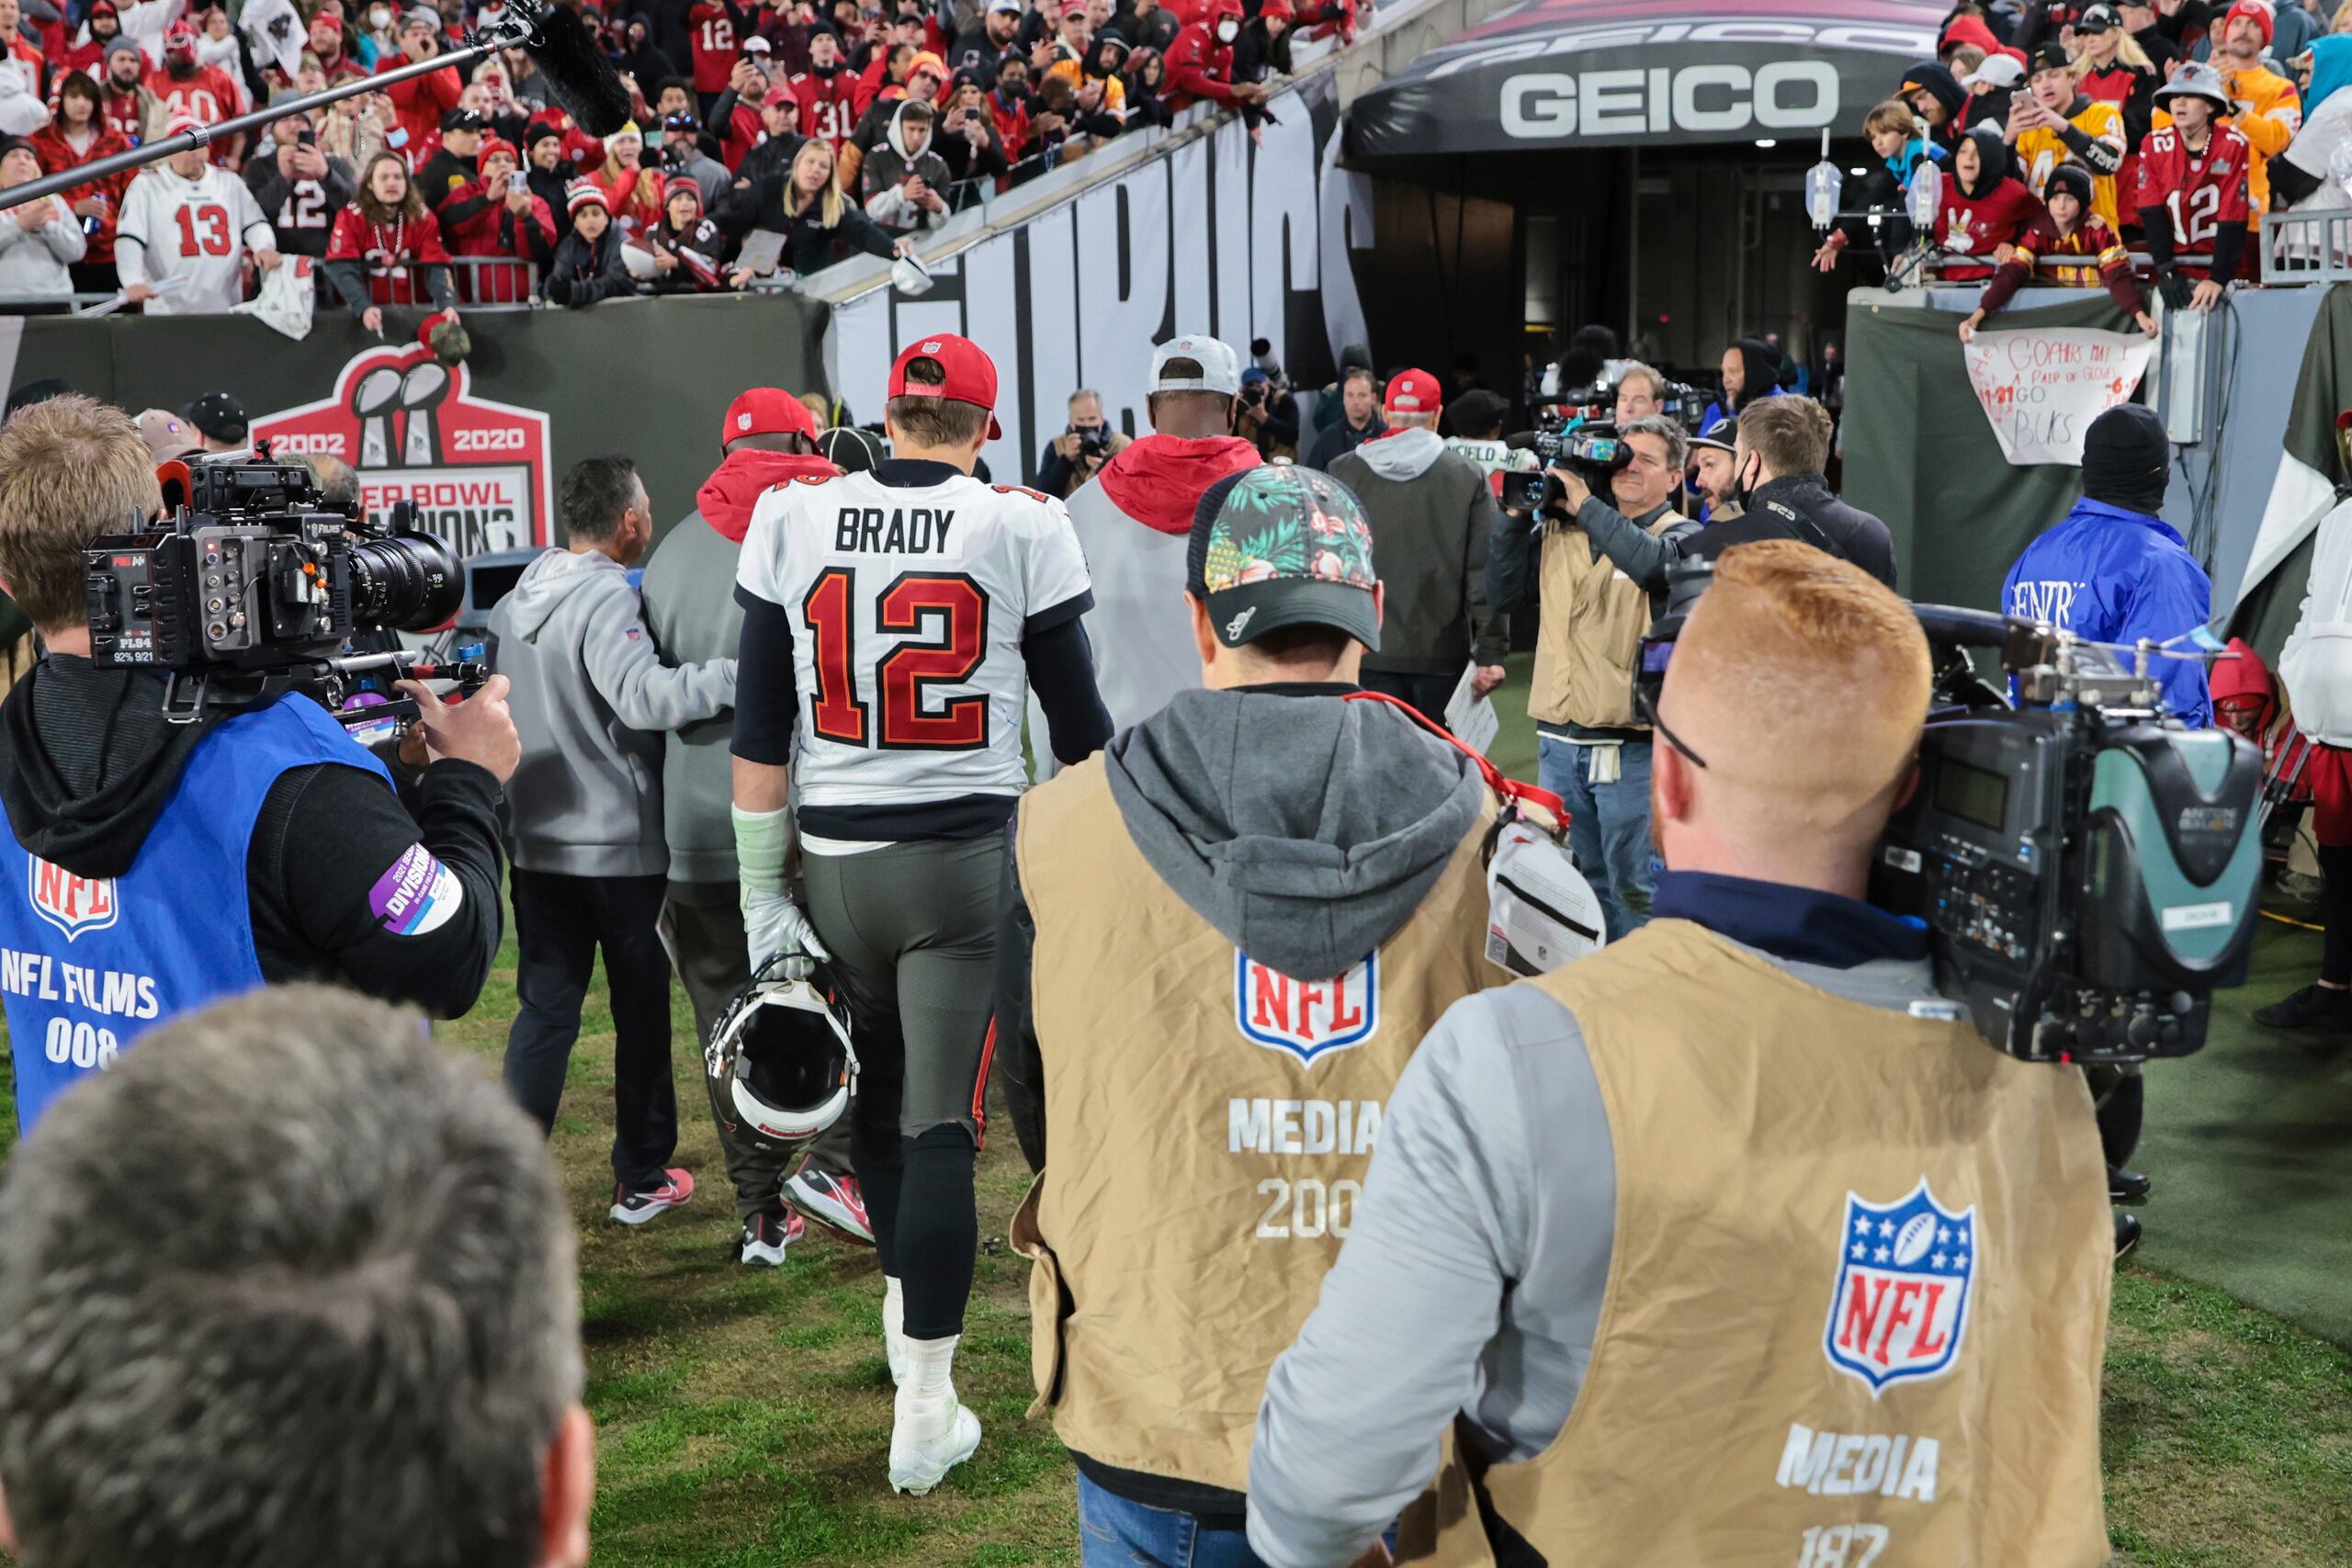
1594, 452
2088, 869
250, 585
1597, 404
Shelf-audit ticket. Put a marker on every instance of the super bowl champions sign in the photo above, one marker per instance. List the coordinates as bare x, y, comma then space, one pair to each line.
1220, 236
475, 470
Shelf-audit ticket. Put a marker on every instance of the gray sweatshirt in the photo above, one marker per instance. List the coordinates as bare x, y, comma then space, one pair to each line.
1472, 1278
690, 605
33, 262
591, 701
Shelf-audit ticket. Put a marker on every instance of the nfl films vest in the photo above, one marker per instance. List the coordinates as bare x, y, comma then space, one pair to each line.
88, 963
1857, 1300
1590, 633
1208, 1127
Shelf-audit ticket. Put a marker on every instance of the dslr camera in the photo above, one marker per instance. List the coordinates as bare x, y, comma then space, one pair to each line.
1594, 452
2088, 869
250, 585
1094, 440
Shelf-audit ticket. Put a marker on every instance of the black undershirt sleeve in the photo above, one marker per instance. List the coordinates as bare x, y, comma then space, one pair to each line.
2229, 247
327, 839
767, 699
1062, 671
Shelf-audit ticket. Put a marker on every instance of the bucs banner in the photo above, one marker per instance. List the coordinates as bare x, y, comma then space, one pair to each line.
2042, 387
475, 470
480, 447
1649, 73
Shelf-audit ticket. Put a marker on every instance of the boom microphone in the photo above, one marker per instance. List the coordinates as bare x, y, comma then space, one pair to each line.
583, 83
582, 80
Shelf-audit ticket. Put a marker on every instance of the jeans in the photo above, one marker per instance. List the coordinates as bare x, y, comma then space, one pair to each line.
560, 922
1115, 1533
1609, 831
1427, 692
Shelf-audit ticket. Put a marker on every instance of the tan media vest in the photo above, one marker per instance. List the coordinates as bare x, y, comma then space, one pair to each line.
1198, 1181
1748, 1111
1591, 635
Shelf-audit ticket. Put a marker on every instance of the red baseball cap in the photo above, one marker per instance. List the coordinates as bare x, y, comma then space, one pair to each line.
971, 374
765, 410
1414, 392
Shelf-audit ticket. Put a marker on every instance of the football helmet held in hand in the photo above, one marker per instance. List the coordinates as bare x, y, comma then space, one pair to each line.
780, 1059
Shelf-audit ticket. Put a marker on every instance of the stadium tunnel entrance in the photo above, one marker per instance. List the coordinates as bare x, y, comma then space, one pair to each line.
1638, 163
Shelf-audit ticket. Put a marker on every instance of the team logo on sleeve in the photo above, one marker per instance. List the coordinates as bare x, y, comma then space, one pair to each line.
1305, 1018
73, 904
1905, 1273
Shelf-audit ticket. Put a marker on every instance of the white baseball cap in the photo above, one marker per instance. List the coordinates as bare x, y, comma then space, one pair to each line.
1220, 367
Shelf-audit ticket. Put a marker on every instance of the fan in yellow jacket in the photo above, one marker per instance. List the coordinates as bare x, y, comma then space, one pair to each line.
2055, 121
2269, 110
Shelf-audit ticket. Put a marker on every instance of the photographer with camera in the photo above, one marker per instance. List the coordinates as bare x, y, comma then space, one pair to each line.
1593, 749
1078, 454
1269, 417
1642, 1373
126, 828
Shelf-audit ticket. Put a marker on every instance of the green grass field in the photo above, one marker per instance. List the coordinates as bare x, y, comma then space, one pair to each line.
744, 1414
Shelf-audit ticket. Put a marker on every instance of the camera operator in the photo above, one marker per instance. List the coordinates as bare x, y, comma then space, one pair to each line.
1078, 454
1269, 417
1641, 392
1593, 749
126, 828
1643, 1372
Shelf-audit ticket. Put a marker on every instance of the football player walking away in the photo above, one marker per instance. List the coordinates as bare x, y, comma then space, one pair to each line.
894, 623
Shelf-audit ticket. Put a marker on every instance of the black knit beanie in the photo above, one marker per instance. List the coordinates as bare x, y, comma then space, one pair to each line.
2126, 459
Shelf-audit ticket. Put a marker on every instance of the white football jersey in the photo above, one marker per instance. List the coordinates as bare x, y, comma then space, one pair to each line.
196, 230
908, 605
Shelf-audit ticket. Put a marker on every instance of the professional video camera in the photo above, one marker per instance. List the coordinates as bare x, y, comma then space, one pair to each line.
1597, 404
252, 586
2089, 868
1594, 452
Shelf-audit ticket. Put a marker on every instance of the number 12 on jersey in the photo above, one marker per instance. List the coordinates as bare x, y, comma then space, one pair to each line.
947, 616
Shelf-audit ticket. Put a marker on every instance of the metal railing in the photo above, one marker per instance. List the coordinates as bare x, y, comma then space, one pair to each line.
2306, 247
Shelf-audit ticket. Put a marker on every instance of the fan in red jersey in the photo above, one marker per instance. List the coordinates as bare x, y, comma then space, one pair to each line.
2193, 196
2069, 228
1984, 208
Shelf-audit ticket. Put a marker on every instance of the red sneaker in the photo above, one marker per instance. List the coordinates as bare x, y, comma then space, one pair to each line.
833, 1200
636, 1208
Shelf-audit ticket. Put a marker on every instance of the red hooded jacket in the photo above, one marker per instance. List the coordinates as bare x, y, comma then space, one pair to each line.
1198, 65
1160, 478
735, 487
57, 155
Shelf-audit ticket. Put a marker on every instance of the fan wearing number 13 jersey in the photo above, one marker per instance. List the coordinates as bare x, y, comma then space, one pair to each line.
894, 623
188, 221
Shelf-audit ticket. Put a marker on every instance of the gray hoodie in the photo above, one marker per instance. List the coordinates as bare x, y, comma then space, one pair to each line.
1303, 828
592, 700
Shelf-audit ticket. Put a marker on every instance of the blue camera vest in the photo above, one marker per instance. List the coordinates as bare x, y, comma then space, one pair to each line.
88, 963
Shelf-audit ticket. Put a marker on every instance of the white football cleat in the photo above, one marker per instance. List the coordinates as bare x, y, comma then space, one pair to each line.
928, 1438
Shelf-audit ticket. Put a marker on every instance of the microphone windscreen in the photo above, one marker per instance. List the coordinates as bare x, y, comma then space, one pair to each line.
582, 80
1525, 441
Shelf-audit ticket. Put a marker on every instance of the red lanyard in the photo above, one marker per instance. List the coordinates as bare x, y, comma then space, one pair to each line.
1512, 790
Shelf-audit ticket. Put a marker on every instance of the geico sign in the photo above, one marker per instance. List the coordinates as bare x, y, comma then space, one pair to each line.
1782, 95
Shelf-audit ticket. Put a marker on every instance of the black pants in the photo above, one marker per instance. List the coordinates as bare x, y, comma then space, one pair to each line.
1428, 693
706, 936
561, 924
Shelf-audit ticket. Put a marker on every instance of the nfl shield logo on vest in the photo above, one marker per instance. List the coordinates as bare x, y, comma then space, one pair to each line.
73, 904
1905, 1273
1306, 1018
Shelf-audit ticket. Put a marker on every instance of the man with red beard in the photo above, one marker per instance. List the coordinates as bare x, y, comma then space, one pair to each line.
200, 92
769, 438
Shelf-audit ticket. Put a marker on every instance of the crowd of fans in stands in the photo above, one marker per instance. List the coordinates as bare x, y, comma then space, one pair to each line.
856, 126
2067, 129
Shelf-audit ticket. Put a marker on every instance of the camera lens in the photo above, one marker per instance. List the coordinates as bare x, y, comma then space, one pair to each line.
412, 583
